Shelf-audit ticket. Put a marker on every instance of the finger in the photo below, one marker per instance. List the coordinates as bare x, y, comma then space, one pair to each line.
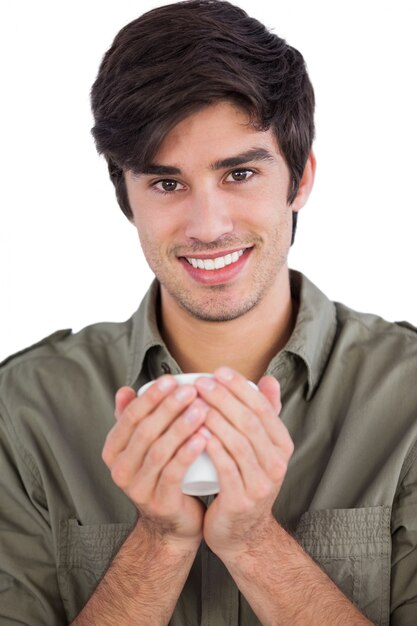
128, 414
259, 461
135, 412
123, 397
166, 446
169, 484
231, 394
127, 456
231, 483
270, 387
142, 405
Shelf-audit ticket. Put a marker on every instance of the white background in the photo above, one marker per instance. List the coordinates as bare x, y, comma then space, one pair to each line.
68, 257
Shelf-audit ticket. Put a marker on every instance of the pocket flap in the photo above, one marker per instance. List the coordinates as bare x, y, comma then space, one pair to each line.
85, 553
353, 546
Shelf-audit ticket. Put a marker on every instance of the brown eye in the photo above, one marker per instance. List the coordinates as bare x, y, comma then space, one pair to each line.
168, 186
239, 176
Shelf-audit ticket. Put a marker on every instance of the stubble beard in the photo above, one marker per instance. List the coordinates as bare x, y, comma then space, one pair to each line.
213, 303
216, 304
214, 307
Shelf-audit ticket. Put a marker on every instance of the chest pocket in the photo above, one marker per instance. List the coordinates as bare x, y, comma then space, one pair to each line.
353, 546
85, 553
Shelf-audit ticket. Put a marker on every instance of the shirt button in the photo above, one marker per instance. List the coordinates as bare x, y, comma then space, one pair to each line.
165, 368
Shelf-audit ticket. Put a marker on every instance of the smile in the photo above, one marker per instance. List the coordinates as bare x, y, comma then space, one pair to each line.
217, 263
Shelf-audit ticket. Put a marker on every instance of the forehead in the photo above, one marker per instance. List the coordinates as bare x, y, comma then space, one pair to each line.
214, 133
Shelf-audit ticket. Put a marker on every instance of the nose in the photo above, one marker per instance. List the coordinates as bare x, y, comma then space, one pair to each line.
208, 217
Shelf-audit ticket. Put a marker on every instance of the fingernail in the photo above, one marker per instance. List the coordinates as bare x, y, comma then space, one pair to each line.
225, 373
165, 383
192, 415
205, 432
206, 383
194, 443
201, 405
184, 393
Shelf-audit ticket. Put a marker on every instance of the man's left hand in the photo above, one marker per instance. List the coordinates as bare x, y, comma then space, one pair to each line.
250, 448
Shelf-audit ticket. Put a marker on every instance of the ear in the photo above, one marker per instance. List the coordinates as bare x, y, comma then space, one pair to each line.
306, 184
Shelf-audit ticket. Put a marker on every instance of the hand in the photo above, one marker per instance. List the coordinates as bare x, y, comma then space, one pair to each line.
150, 448
250, 447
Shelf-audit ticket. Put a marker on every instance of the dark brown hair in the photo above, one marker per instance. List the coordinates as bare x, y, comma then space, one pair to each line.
176, 59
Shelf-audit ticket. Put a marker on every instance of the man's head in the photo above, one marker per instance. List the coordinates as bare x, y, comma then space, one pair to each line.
175, 60
213, 218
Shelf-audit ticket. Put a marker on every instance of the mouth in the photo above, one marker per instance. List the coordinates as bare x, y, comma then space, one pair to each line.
216, 263
216, 268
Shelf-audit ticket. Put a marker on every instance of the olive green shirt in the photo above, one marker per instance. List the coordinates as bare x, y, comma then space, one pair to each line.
349, 386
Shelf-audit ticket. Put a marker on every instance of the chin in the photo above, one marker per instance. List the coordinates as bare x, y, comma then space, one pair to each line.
218, 312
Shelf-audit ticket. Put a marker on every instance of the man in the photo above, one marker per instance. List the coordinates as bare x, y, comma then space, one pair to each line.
206, 122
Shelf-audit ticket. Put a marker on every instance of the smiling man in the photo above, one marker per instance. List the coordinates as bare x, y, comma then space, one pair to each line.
206, 122
215, 225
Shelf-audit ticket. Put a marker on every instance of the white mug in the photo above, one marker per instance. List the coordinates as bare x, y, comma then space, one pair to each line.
201, 477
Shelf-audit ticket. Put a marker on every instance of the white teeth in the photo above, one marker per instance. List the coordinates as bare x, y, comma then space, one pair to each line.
217, 263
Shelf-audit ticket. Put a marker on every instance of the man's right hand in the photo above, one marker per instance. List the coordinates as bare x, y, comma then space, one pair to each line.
148, 451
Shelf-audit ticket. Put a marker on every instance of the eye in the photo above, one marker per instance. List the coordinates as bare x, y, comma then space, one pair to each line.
167, 185
239, 176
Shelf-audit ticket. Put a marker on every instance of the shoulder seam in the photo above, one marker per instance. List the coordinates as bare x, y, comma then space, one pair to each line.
405, 329
42, 342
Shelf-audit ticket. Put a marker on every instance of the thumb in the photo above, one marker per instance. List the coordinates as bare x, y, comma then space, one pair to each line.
269, 386
124, 396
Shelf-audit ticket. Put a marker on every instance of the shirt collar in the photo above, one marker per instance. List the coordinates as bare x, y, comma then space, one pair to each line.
146, 333
314, 331
311, 339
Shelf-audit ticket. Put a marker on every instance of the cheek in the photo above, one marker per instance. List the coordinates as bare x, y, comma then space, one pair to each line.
151, 250
155, 236
269, 212
148, 239
269, 196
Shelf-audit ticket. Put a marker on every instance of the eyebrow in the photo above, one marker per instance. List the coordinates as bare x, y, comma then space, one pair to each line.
254, 154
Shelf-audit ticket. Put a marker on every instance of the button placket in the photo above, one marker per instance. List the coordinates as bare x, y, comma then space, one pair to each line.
219, 593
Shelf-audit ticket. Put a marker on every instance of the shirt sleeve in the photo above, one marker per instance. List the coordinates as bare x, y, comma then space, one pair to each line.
29, 593
404, 548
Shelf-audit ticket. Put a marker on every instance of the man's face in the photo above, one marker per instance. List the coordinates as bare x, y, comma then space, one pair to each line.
212, 214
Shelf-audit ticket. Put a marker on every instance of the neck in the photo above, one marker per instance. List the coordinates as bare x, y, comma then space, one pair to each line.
246, 344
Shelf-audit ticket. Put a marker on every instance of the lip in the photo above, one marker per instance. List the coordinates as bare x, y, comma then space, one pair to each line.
219, 276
